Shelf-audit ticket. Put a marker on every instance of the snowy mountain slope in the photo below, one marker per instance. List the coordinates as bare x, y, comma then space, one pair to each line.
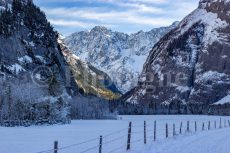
188, 66
120, 55
89, 79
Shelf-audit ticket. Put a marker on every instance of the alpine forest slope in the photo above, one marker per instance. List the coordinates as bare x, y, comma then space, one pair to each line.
119, 55
89, 79
188, 69
34, 87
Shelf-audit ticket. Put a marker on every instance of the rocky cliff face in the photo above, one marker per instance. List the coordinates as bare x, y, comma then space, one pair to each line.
189, 66
120, 55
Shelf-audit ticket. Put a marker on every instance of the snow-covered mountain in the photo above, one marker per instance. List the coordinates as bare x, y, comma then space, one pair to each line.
120, 55
188, 68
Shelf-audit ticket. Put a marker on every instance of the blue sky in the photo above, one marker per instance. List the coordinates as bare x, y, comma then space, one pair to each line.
129, 16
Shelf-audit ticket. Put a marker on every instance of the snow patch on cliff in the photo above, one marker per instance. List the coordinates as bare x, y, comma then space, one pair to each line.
16, 68
210, 75
225, 100
25, 59
210, 20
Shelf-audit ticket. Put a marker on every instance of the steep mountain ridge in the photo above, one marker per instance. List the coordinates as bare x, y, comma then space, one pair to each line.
120, 55
90, 80
187, 69
34, 87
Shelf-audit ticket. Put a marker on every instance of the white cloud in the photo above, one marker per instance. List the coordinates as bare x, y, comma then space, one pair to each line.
132, 13
142, 8
60, 22
73, 16
150, 1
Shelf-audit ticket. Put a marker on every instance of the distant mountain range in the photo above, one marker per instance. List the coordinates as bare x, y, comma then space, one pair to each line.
118, 54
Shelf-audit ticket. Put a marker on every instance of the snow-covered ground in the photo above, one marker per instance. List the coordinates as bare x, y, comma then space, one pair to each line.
36, 139
215, 141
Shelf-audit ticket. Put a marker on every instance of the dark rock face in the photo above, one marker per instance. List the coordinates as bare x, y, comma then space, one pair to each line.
189, 66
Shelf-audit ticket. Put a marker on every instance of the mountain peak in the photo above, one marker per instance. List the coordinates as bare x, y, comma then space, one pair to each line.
100, 29
118, 54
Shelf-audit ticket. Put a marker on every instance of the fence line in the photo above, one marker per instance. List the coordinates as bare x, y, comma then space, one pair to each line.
147, 134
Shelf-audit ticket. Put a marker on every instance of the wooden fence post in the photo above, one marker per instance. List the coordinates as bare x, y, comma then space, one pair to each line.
155, 130
203, 127
181, 124
145, 140
100, 145
195, 126
209, 125
55, 146
228, 123
129, 136
220, 123
225, 123
215, 124
187, 126
174, 130
167, 134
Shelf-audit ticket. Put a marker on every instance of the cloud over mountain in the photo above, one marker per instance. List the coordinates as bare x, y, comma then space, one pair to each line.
126, 16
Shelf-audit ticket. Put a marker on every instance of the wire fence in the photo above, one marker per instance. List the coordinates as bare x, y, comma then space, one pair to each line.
128, 138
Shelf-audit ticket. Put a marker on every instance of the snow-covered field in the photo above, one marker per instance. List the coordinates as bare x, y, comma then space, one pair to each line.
36, 139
